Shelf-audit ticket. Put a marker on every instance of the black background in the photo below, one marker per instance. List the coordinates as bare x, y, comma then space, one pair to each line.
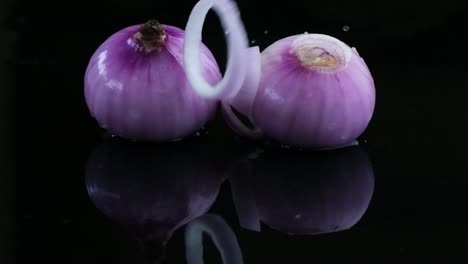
416, 140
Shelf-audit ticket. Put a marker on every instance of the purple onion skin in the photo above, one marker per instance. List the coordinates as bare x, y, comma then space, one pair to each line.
311, 194
300, 107
152, 190
146, 96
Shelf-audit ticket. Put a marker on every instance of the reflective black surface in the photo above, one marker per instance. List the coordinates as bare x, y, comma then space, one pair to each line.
153, 191
72, 194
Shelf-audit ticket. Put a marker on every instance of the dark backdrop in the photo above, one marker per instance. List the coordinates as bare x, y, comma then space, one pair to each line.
416, 140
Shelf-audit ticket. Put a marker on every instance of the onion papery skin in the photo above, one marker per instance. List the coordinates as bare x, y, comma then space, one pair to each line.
144, 95
313, 107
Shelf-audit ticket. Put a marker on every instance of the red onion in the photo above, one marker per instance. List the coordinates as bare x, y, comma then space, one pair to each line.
136, 87
315, 92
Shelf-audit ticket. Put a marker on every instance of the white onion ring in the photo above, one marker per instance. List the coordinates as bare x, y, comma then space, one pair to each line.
237, 45
221, 234
243, 100
237, 125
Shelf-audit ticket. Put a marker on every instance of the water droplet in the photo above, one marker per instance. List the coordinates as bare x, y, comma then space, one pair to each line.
298, 216
346, 28
197, 134
226, 32
253, 41
265, 32
306, 33
355, 50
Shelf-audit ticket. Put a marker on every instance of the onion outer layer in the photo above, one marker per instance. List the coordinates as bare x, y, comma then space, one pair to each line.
145, 95
313, 106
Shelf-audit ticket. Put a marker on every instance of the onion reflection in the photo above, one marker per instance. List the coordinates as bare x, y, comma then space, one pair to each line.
219, 232
152, 190
304, 193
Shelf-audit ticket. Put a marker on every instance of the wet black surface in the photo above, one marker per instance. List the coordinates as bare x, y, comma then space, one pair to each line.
74, 194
